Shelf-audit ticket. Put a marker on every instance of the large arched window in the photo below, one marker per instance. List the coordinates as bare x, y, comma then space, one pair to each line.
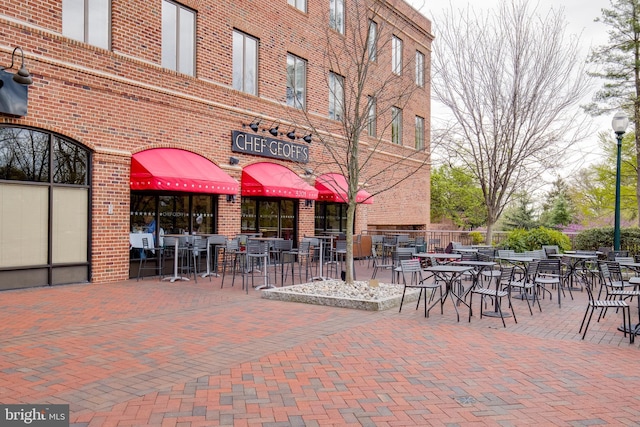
44, 209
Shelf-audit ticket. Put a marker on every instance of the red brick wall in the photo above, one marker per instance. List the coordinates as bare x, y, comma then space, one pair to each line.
121, 101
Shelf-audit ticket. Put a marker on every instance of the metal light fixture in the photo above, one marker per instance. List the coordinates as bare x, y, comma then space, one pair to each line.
22, 76
619, 124
291, 134
234, 160
308, 172
231, 198
253, 125
274, 131
307, 139
308, 203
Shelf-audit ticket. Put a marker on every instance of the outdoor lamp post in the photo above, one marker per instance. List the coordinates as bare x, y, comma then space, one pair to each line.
619, 125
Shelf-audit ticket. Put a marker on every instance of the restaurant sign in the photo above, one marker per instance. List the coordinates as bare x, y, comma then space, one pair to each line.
259, 145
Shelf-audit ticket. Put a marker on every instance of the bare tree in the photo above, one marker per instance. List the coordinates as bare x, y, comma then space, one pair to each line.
512, 80
366, 87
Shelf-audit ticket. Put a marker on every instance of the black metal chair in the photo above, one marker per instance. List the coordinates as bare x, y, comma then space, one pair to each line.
412, 279
495, 295
603, 305
150, 259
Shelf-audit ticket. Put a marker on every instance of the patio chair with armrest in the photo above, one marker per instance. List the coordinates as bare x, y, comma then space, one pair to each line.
495, 295
412, 278
526, 285
603, 305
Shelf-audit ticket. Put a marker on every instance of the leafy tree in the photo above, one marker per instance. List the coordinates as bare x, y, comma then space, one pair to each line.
620, 67
593, 189
521, 215
511, 93
457, 196
557, 207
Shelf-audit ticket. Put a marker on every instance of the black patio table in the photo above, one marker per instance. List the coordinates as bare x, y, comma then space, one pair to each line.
449, 273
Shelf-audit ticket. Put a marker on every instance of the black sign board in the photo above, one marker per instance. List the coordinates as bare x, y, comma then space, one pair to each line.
259, 145
13, 96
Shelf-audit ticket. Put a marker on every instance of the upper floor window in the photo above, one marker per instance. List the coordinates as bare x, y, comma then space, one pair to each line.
336, 15
178, 37
396, 125
88, 21
336, 96
372, 41
371, 116
299, 4
419, 69
419, 133
396, 55
296, 81
245, 63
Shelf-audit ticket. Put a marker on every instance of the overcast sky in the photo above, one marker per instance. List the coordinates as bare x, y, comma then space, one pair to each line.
579, 14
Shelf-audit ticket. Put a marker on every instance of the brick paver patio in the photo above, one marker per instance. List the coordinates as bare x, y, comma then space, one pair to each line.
155, 353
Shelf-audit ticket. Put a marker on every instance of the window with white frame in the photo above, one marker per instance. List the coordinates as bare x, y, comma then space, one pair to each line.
372, 42
396, 55
419, 133
336, 96
336, 15
88, 21
299, 4
371, 116
396, 125
245, 63
178, 38
419, 69
296, 81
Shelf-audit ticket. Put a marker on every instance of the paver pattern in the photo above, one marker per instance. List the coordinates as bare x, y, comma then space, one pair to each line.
154, 353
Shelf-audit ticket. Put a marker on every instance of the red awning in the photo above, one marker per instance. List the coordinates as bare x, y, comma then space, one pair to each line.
171, 169
332, 187
272, 180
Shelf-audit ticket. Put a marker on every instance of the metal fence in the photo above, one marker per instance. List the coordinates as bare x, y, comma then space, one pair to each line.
441, 238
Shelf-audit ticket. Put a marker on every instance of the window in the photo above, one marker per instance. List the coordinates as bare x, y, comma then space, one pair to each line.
245, 63
396, 55
371, 118
372, 41
336, 15
396, 125
419, 133
87, 21
296, 82
45, 210
419, 69
178, 38
299, 4
336, 96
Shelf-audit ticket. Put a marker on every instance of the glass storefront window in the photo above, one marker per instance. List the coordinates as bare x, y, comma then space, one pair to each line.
330, 218
271, 217
172, 214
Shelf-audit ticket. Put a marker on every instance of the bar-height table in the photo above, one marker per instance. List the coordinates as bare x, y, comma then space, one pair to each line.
175, 276
449, 273
265, 240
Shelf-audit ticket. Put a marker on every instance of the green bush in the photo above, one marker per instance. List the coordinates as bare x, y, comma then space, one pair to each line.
596, 238
521, 240
476, 237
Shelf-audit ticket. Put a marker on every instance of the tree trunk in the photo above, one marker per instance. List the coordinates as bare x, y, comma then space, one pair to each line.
351, 214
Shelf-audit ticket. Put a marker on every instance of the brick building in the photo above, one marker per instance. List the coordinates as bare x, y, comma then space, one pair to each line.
198, 116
